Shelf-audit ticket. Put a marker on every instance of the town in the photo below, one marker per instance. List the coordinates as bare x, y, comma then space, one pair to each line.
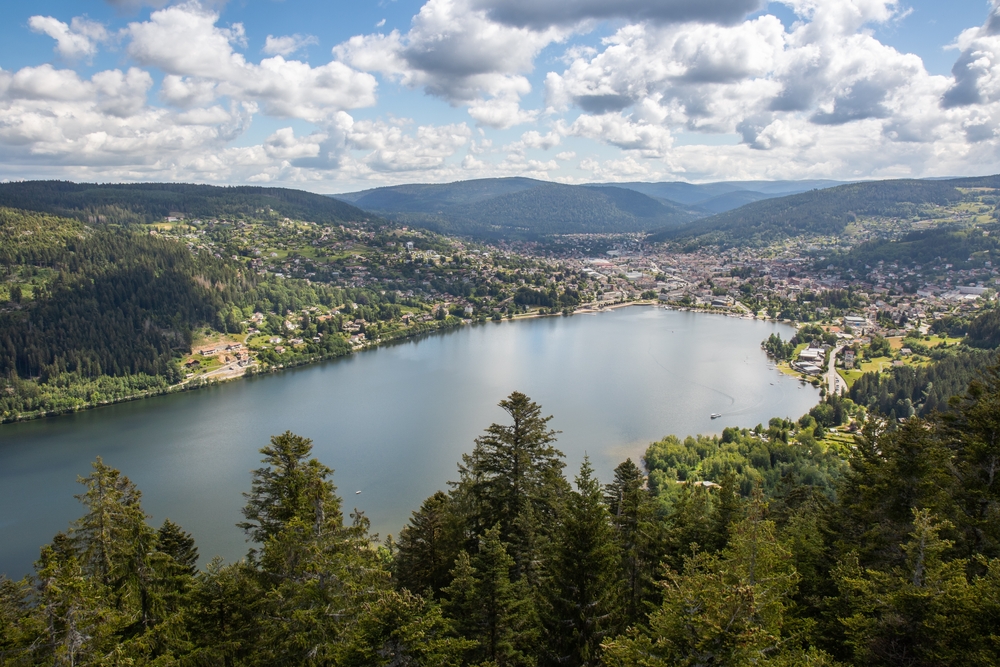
431, 281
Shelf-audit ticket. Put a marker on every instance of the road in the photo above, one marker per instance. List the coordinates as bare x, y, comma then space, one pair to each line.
834, 383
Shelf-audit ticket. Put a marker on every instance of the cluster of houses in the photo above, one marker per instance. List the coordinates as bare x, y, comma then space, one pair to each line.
227, 352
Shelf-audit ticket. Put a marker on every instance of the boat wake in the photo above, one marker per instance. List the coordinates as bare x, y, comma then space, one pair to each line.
732, 399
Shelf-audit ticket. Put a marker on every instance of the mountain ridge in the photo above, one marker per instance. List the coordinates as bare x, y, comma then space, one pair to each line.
129, 203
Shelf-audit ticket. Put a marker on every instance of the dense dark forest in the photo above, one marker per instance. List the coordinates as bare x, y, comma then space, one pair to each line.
921, 390
890, 558
126, 203
117, 307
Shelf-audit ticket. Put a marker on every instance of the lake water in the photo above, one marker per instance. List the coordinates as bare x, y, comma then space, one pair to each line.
394, 422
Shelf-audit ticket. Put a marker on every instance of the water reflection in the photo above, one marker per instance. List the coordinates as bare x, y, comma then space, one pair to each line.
394, 422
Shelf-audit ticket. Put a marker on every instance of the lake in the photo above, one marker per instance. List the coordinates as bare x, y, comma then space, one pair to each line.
393, 422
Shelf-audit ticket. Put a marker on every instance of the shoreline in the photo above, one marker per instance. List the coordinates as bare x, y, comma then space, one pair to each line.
254, 370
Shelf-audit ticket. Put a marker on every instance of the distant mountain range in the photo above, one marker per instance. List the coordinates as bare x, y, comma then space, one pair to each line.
521, 207
725, 195
121, 203
506, 207
725, 213
826, 211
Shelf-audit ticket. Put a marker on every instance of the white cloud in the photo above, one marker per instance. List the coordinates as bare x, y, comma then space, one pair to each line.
284, 145
821, 97
199, 59
503, 111
75, 41
457, 52
622, 131
533, 139
389, 148
287, 44
186, 92
54, 117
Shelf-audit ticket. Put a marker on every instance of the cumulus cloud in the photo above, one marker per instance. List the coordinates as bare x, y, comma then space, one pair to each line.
75, 41
821, 97
287, 44
533, 139
455, 51
776, 88
199, 58
389, 148
53, 116
543, 13
977, 70
623, 131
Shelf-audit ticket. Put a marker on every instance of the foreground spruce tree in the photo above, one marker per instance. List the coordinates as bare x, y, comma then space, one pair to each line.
918, 613
726, 609
179, 545
428, 545
973, 435
584, 590
893, 566
640, 539
513, 470
496, 614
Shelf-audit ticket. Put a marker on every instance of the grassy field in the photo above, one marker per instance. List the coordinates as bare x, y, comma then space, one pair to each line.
840, 441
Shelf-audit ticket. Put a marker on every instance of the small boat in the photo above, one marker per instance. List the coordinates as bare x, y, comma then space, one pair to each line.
716, 415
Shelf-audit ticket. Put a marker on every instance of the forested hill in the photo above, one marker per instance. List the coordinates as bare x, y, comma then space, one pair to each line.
521, 207
962, 248
96, 313
127, 203
819, 211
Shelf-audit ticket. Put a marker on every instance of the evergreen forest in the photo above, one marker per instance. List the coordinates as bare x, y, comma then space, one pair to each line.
135, 203
91, 314
759, 547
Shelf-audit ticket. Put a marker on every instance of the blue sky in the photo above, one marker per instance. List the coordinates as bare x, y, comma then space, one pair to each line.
335, 96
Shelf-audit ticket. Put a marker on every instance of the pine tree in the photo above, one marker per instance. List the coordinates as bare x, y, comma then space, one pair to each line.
510, 468
727, 508
428, 546
115, 544
892, 472
689, 526
14, 618
74, 617
290, 486
179, 545
224, 611
490, 609
922, 612
974, 438
317, 573
639, 537
730, 608
584, 590
399, 628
